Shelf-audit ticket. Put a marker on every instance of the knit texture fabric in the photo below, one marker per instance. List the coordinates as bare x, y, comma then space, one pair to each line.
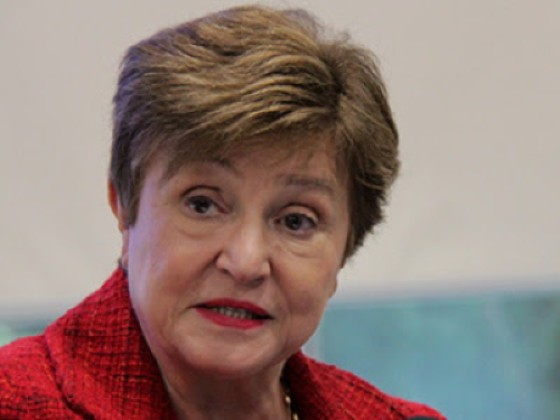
93, 363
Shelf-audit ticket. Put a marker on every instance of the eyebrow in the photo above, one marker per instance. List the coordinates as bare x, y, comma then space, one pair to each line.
225, 164
308, 182
290, 180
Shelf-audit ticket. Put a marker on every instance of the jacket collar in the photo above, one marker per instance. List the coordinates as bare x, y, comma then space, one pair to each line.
102, 364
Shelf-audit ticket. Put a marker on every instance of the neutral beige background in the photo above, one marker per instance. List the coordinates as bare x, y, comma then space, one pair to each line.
475, 90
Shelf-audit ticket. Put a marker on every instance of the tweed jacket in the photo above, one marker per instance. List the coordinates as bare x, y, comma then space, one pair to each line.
93, 363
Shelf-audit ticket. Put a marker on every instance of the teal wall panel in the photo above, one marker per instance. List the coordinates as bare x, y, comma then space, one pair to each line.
488, 357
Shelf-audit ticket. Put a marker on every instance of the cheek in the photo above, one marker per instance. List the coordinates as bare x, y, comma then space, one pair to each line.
306, 311
151, 271
153, 244
311, 289
167, 268
159, 288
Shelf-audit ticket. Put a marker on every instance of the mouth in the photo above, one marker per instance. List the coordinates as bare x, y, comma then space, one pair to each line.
233, 313
238, 313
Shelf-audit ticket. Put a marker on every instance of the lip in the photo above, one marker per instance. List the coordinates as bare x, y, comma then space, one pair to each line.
238, 304
204, 309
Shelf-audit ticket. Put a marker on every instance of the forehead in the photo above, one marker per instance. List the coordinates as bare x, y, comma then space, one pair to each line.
272, 150
308, 170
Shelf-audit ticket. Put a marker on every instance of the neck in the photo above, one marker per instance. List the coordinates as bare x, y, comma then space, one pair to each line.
205, 397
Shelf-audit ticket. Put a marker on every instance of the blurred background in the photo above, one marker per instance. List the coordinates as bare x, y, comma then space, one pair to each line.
454, 301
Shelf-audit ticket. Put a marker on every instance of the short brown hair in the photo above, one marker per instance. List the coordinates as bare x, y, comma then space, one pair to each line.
216, 84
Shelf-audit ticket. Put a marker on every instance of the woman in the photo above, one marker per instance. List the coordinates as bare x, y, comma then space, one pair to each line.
251, 155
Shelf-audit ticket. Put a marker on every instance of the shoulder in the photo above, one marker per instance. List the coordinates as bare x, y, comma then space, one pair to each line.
26, 377
65, 371
331, 391
22, 360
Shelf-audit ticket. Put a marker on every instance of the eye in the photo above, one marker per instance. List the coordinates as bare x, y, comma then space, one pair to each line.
298, 223
202, 205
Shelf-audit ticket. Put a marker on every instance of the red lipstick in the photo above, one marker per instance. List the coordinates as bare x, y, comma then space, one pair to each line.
233, 313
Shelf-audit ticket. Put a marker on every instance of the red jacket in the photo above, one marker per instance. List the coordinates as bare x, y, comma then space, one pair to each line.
94, 363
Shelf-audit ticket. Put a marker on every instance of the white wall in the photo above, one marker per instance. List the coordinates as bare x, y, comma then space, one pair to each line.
474, 86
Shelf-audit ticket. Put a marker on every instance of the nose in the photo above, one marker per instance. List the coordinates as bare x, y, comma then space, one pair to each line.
245, 252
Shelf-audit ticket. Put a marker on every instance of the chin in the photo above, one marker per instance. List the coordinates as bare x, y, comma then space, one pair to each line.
233, 367
226, 361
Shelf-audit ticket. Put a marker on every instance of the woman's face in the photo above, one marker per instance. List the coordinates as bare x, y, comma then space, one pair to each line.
231, 263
